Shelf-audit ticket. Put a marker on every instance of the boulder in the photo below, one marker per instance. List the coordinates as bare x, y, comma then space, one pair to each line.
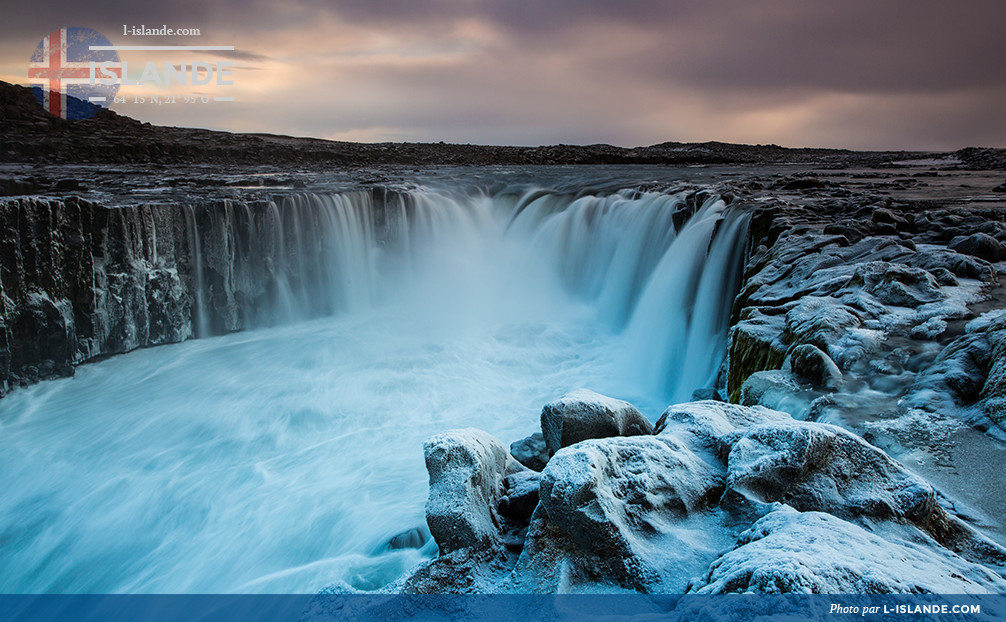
709, 393
810, 362
930, 329
466, 470
823, 322
979, 245
711, 421
897, 284
582, 414
626, 511
813, 552
824, 511
770, 388
823, 468
530, 451
520, 495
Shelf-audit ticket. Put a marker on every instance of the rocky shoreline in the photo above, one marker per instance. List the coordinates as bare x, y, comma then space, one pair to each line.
716, 498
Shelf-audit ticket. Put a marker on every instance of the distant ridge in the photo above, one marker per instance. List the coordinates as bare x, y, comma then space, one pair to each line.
29, 134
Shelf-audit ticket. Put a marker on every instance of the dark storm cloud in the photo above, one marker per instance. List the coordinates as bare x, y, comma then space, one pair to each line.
912, 73
853, 45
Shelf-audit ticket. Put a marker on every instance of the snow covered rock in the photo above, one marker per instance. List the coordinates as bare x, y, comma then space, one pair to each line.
711, 421
583, 414
624, 510
774, 388
970, 372
817, 467
896, 284
466, 470
826, 323
814, 552
820, 510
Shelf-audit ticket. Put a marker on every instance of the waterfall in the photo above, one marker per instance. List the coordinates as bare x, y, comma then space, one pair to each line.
284, 458
649, 269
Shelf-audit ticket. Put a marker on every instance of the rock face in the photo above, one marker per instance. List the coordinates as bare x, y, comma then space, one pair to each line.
722, 498
819, 304
583, 414
466, 469
79, 280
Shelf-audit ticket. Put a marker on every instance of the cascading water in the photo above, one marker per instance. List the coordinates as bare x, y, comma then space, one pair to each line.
281, 459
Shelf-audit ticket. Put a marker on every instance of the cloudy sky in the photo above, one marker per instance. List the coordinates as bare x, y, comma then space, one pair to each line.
867, 74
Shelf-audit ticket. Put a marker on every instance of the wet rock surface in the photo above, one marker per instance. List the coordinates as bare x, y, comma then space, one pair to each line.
722, 498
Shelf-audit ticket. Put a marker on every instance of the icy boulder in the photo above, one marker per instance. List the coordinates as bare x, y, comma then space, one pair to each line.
710, 422
897, 284
817, 467
582, 414
816, 507
466, 468
813, 552
770, 388
970, 371
626, 511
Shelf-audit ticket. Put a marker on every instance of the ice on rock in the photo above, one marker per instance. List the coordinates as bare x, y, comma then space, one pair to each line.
825, 323
466, 469
823, 510
931, 328
628, 511
818, 467
969, 372
711, 421
810, 362
583, 414
779, 390
895, 284
814, 552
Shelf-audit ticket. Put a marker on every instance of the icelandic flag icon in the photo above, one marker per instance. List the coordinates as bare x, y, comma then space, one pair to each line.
65, 72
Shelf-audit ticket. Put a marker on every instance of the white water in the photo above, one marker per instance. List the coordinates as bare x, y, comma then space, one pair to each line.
281, 459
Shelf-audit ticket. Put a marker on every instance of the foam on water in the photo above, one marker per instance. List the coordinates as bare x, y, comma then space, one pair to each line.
282, 459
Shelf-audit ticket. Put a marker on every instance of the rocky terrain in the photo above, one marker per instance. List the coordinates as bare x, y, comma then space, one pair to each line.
880, 314
865, 372
29, 134
716, 498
